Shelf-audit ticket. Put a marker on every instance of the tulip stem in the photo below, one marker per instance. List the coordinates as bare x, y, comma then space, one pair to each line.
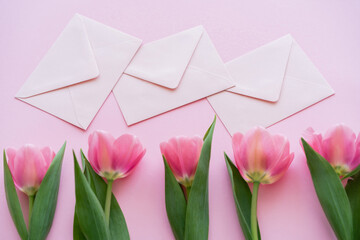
254, 224
108, 201
187, 192
31, 204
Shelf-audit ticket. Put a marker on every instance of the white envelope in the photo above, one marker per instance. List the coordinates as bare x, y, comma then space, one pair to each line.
79, 71
169, 73
273, 82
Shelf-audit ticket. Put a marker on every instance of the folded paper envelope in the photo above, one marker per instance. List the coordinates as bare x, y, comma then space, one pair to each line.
272, 83
79, 71
169, 73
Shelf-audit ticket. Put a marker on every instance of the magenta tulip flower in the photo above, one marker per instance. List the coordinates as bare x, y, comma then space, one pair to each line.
260, 156
114, 158
182, 154
28, 166
339, 146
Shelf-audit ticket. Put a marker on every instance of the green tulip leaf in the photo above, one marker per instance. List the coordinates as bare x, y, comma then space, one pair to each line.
46, 199
197, 212
13, 202
353, 192
77, 233
352, 173
242, 197
331, 193
90, 214
117, 223
175, 203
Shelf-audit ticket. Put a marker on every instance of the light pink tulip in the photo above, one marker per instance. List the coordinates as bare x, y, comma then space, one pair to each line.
28, 166
114, 158
338, 145
260, 156
182, 155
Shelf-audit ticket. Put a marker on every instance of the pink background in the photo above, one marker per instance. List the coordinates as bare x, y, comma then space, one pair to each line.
327, 30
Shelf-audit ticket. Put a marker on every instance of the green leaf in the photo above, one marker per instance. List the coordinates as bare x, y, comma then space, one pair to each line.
352, 173
46, 199
175, 203
88, 209
197, 212
77, 233
13, 202
117, 223
353, 192
242, 197
331, 193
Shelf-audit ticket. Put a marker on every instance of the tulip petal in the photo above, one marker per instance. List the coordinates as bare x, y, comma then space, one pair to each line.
100, 150
260, 156
314, 139
11, 153
259, 149
237, 143
339, 145
127, 152
170, 151
356, 161
48, 155
281, 167
182, 154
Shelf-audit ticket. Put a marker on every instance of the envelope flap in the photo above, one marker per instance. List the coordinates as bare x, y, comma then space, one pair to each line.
104, 36
69, 61
260, 73
164, 61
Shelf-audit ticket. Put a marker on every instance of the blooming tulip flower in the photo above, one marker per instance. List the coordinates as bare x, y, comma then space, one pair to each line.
182, 155
28, 166
113, 158
260, 158
339, 146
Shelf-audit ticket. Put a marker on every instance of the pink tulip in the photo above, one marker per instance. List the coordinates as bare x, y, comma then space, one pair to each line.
28, 166
114, 158
260, 156
339, 146
182, 155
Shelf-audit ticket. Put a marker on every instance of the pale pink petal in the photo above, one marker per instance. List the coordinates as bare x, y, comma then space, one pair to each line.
356, 161
259, 149
314, 140
190, 149
100, 151
261, 156
339, 145
282, 165
127, 152
11, 153
281, 149
170, 151
182, 154
48, 155
239, 152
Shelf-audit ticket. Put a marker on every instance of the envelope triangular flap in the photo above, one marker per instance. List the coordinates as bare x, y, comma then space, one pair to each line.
101, 35
260, 73
69, 61
164, 61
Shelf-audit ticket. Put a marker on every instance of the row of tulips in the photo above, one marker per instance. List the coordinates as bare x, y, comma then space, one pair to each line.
260, 158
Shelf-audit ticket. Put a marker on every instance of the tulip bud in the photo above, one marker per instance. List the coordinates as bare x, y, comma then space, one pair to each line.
28, 166
339, 146
260, 156
114, 158
182, 155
